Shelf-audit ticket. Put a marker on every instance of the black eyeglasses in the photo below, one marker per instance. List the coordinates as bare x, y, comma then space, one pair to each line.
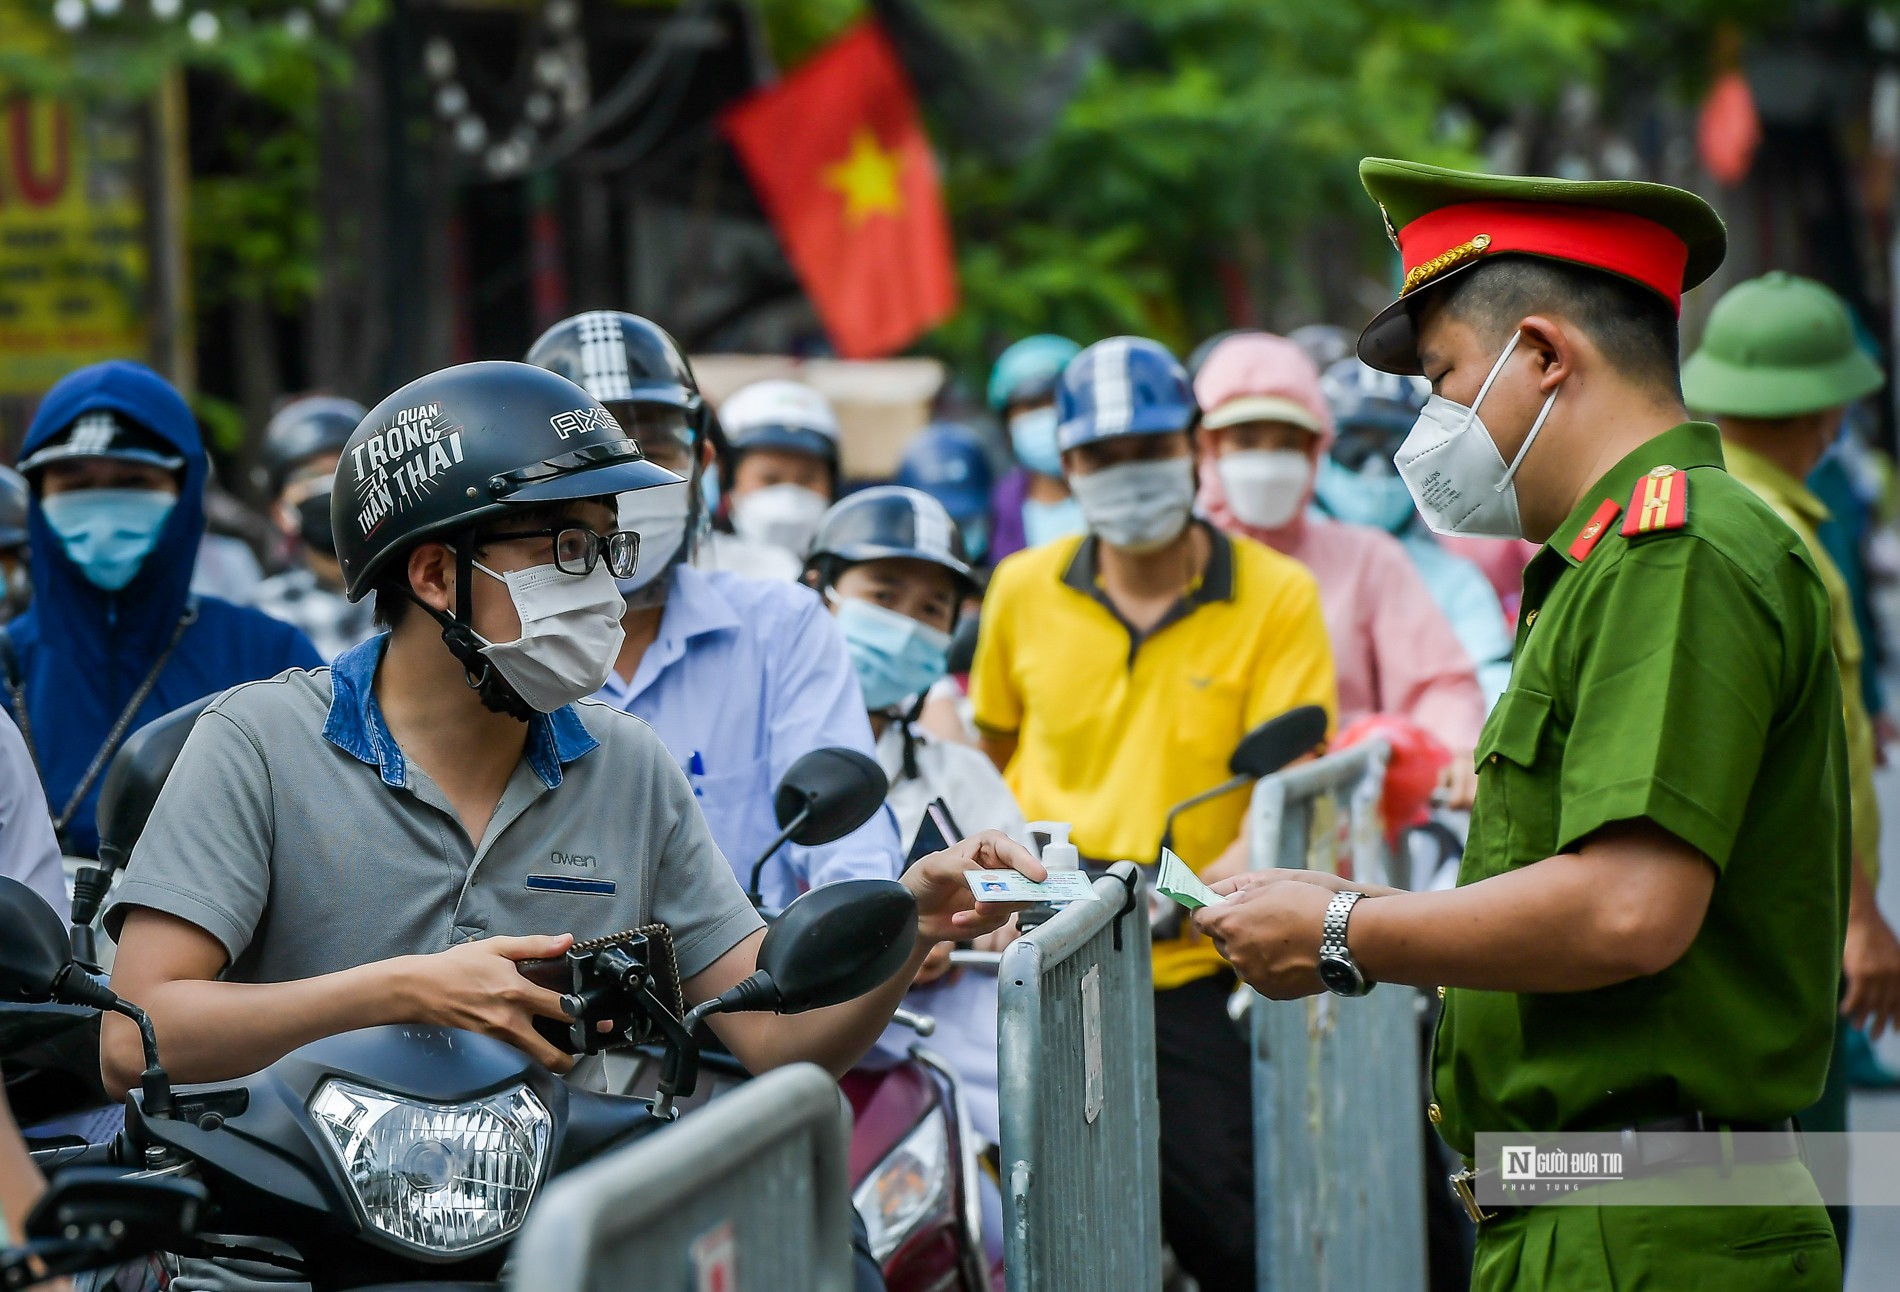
578, 549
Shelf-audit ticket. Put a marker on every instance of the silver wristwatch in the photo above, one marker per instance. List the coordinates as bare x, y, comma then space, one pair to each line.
1337, 969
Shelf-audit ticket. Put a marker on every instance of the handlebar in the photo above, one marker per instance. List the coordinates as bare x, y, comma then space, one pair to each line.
922, 1024
984, 961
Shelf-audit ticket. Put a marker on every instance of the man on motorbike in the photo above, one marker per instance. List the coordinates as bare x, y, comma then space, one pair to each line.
302, 445
115, 637
1115, 674
738, 676
382, 841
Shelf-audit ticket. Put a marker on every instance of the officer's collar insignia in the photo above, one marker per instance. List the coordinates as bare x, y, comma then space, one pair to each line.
1586, 540
1419, 275
1659, 502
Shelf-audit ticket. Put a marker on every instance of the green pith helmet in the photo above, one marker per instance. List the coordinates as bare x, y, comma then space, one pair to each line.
1778, 346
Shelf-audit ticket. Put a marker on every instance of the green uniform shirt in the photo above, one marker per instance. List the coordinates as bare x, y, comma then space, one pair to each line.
1682, 676
1795, 503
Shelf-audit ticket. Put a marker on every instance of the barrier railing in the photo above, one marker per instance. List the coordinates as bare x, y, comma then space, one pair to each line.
1338, 1129
1080, 1121
754, 1198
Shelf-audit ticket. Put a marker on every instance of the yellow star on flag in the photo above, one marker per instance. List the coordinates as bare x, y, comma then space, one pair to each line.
867, 178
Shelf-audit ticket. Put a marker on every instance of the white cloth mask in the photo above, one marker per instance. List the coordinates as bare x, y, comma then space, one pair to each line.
570, 633
1139, 506
1452, 465
658, 516
780, 515
1265, 487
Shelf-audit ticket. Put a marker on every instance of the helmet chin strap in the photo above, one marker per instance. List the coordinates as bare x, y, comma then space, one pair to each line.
477, 669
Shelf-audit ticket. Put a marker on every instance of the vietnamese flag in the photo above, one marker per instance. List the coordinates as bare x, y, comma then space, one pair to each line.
843, 168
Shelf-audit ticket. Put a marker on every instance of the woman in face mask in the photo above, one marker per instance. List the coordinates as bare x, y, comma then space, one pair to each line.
891, 564
784, 463
1267, 425
1031, 504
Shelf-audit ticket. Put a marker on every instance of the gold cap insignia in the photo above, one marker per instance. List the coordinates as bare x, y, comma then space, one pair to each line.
1422, 274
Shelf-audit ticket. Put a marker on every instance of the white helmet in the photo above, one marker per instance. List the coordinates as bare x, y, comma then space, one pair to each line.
781, 414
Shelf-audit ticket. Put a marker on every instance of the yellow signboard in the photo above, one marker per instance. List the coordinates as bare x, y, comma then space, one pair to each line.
75, 269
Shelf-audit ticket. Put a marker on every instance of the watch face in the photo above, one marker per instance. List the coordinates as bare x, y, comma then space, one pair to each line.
1341, 976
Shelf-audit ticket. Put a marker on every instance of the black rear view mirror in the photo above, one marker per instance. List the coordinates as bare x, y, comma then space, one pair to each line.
823, 796
95, 1216
136, 775
34, 946
835, 943
1278, 741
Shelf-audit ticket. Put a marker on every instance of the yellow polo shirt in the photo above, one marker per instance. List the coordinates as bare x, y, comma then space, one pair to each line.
1114, 727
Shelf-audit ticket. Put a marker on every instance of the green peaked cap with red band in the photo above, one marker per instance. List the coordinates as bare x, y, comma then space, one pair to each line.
1447, 222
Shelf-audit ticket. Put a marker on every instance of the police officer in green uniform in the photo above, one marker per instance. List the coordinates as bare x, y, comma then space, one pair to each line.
1777, 368
1647, 929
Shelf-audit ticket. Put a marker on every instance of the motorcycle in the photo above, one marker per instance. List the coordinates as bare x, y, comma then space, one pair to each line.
400, 1153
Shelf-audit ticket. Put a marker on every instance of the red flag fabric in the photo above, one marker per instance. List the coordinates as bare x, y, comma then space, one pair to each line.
842, 166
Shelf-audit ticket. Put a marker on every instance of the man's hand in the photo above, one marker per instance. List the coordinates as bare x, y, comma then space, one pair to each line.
1458, 783
477, 987
946, 909
1270, 933
935, 965
1255, 878
1871, 963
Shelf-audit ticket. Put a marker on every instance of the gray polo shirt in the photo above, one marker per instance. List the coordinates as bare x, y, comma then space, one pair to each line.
295, 832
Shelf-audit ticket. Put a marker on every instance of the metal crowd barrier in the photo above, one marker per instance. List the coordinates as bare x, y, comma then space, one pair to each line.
756, 1199
1338, 1130
1080, 1121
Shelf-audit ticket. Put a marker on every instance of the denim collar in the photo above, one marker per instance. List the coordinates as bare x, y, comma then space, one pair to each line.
356, 725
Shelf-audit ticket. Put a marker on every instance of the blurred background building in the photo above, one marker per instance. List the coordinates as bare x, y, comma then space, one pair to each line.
267, 196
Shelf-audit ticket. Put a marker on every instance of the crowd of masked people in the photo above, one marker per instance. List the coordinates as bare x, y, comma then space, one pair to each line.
1070, 612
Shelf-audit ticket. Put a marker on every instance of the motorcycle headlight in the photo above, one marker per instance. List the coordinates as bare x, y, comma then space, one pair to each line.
438, 1177
908, 1187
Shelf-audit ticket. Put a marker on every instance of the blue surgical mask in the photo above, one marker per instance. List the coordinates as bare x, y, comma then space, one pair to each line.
1373, 495
1033, 436
976, 536
896, 657
709, 489
108, 533
1045, 522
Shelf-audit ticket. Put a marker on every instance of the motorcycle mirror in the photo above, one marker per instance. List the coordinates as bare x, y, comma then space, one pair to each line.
34, 946
135, 776
838, 942
1278, 741
117, 1216
834, 790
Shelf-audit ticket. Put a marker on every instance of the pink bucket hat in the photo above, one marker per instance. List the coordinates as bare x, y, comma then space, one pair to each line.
1259, 377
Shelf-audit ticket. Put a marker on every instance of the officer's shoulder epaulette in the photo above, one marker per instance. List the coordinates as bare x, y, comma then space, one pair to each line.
1659, 503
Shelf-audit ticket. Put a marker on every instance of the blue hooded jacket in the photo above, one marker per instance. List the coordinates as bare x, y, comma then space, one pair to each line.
82, 651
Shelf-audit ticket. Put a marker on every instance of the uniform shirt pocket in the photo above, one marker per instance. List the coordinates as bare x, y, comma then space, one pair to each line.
1515, 819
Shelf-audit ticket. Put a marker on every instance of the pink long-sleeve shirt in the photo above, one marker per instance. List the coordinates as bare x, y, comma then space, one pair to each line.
1393, 649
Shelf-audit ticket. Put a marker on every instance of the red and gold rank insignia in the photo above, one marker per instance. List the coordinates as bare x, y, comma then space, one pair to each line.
1661, 501
1587, 537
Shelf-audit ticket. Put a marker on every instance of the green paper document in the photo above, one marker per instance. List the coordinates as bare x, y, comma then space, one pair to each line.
1178, 880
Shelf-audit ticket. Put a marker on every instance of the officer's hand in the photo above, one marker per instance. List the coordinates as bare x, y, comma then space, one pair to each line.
1871, 963
946, 909
1270, 933
1255, 878
476, 987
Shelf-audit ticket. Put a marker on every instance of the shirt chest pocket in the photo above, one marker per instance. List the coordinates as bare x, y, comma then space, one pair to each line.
1514, 821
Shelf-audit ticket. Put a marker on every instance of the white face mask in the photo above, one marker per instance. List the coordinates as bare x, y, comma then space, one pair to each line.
1454, 470
1265, 487
780, 515
658, 516
570, 634
1137, 506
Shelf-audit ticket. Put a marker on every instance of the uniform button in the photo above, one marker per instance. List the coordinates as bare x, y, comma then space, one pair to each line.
1441, 993
1800, 1262
1530, 618
1494, 758
1435, 1114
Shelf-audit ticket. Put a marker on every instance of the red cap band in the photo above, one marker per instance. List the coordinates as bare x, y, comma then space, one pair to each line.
1601, 238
